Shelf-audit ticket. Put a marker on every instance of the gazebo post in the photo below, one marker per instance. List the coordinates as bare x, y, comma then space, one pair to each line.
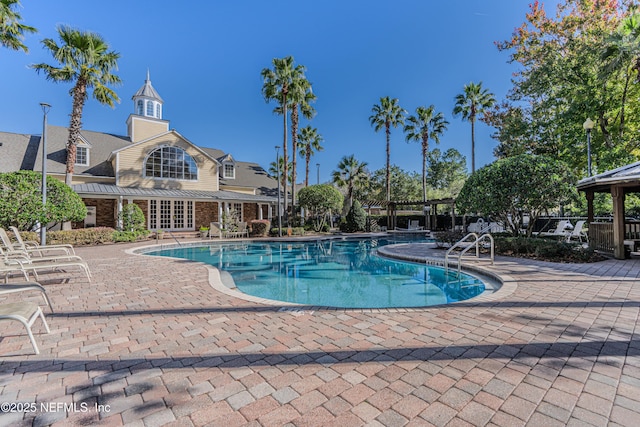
589, 196
453, 216
617, 194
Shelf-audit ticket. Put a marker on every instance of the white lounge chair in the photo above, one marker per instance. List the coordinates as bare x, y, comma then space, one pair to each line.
25, 313
10, 288
13, 253
34, 246
563, 228
578, 232
26, 265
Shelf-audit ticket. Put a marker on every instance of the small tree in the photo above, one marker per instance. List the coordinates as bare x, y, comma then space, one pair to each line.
511, 187
132, 218
320, 200
356, 218
21, 201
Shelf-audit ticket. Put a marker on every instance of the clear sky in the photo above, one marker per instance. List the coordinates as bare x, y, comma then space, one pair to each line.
205, 59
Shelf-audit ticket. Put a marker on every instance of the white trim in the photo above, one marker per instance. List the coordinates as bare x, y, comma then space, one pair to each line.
87, 156
159, 147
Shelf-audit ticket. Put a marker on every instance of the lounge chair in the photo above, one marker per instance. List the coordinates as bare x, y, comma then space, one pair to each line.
34, 246
13, 253
26, 265
561, 229
25, 313
242, 230
9, 288
215, 231
578, 232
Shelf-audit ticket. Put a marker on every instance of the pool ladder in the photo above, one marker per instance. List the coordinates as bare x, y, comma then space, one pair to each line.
467, 242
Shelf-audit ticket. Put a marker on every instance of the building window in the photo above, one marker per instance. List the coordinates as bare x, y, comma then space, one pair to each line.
229, 171
140, 107
82, 156
237, 207
171, 163
149, 108
158, 111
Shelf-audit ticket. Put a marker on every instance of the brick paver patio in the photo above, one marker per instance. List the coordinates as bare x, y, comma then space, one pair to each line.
150, 342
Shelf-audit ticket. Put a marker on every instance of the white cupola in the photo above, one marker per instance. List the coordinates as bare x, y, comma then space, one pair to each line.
147, 102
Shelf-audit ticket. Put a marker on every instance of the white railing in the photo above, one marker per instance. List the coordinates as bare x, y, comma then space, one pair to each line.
467, 244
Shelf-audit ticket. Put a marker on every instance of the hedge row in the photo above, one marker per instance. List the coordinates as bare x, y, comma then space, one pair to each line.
86, 236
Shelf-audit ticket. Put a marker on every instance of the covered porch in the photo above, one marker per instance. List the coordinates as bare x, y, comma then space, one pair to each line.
622, 234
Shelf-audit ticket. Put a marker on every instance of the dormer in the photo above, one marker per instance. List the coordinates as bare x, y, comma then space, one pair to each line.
83, 151
146, 120
228, 167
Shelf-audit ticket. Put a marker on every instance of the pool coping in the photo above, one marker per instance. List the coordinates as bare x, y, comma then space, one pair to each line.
502, 285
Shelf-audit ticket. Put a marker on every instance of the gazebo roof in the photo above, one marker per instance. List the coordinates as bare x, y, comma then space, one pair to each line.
626, 176
385, 204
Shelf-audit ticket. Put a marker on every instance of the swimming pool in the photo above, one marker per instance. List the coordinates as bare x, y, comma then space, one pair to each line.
333, 273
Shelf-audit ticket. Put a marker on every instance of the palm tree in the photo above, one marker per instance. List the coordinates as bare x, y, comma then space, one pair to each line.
300, 96
350, 175
276, 86
273, 171
11, 30
387, 114
85, 59
309, 141
424, 125
474, 101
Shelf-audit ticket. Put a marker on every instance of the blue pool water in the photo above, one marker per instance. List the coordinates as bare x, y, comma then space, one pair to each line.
334, 273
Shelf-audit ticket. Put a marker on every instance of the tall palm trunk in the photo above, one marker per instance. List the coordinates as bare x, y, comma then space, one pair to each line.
294, 144
388, 173
79, 97
307, 159
473, 144
425, 147
284, 149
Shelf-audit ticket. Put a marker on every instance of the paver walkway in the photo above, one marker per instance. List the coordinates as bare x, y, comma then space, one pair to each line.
150, 342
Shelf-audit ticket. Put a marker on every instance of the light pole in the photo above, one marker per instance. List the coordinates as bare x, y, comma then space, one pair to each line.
43, 227
318, 173
278, 169
588, 125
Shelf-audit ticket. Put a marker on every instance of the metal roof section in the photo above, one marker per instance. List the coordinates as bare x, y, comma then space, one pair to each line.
147, 90
96, 189
624, 175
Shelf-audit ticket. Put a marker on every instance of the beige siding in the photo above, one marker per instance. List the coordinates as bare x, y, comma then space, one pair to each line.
243, 190
141, 128
131, 166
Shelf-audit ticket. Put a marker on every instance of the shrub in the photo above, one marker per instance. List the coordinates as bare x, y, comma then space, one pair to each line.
356, 218
545, 249
260, 227
447, 237
21, 201
132, 218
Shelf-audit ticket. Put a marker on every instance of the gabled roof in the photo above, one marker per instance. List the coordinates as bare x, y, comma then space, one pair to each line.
627, 176
171, 131
20, 151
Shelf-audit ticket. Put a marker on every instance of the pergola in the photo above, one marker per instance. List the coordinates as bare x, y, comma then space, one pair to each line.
619, 182
430, 207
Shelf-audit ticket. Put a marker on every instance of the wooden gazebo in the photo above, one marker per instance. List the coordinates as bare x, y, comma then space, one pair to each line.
606, 236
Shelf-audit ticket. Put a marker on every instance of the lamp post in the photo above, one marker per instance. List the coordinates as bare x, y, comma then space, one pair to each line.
278, 169
43, 227
318, 173
588, 125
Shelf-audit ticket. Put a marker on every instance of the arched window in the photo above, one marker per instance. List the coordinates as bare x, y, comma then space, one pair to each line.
172, 163
158, 111
140, 107
150, 108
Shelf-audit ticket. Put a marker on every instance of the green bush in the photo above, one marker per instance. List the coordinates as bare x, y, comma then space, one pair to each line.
356, 218
132, 218
544, 249
21, 201
260, 227
448, 237
124, 236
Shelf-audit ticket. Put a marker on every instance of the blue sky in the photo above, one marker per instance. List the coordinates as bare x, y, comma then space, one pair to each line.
205, 62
